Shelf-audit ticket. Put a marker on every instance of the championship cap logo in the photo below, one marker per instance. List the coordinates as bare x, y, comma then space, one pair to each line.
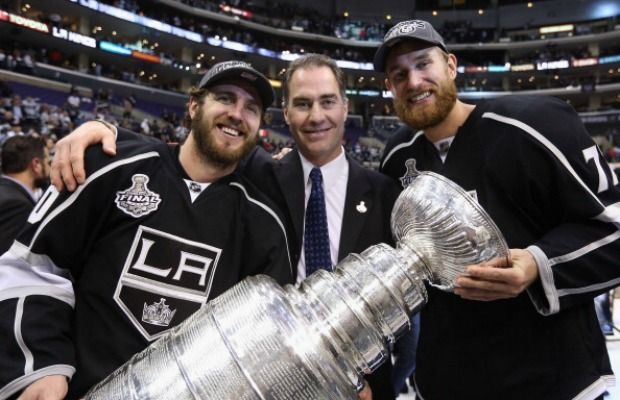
404, 28
137, 200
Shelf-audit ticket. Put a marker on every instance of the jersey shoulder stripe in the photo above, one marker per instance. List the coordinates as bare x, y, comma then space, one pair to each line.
610, 213
269, 211
75, 195
401, 146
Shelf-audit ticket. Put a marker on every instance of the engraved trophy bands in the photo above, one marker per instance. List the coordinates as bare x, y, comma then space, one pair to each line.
261, 341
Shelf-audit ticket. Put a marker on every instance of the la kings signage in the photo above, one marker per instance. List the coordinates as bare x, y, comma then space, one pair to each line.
165, 279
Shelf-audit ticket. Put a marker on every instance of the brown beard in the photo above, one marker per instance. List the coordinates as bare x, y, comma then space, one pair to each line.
426, 117
208, 149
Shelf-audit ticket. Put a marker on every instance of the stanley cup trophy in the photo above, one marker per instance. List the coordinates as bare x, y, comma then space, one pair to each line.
261, 341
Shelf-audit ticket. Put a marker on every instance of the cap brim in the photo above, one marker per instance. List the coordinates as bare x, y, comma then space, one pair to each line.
254, 78
384, 50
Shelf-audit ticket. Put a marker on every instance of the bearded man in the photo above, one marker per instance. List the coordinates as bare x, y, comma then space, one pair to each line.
523, 328
151, 236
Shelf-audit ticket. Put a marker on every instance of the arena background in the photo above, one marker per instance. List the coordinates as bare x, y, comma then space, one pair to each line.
131, 61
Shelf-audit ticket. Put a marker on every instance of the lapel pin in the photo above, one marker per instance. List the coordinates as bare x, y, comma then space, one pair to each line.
361, 207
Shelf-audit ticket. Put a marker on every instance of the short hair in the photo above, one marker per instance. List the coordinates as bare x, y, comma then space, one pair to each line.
18, 151
197, 94
312, 60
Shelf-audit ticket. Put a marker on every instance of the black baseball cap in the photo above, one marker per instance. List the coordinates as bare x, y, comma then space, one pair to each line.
416, 30
240, 70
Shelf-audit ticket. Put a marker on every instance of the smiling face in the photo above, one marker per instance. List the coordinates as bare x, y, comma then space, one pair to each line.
421, 80
316, 113
225, 123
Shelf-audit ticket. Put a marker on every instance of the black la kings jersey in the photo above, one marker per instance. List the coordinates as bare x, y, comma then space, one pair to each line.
100, 273
532, 166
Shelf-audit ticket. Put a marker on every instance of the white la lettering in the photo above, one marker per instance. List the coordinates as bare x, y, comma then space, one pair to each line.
183, 267
201, 271
140, 264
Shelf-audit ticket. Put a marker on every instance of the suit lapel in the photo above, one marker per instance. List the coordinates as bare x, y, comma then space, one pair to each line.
290, 176
357, 205
22, 191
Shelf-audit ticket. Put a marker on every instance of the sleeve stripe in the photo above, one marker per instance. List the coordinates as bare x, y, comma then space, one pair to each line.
270, 212
591, 288
585, 250
544, 268
48, 291
71, 199
19, 312
23, 381
550, 146
400, 146
547, 281
24, 273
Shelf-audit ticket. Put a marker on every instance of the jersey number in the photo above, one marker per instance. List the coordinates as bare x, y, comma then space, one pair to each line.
592, 153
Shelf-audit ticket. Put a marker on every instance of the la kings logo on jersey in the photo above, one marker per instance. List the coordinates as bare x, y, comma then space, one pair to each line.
165, 279
137, 200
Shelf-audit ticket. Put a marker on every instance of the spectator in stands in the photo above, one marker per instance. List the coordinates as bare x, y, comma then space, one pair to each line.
523, 328
14, 130
73, 104
6, 121
129, 103
16, 109
30, 108
602, 304
25, 170
67, 263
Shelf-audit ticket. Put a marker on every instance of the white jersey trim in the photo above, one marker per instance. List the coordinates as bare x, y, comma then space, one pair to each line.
73, 197
19, 338
24, 273
548, 283
611, 213
584, 250
400, 146
25, 380
270, 212
597, 388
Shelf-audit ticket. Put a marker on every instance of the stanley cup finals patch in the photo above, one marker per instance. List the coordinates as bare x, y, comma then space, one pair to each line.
137, 200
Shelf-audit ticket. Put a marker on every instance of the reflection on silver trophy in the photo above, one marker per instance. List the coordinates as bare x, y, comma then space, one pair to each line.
261, 341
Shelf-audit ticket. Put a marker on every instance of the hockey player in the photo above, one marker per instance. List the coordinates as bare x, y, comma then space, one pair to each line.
527, 330
149, 238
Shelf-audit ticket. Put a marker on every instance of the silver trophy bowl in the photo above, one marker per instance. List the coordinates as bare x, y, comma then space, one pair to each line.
261, 341
447, 226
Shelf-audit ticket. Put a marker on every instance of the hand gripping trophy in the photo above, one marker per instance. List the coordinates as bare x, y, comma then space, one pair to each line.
315, 342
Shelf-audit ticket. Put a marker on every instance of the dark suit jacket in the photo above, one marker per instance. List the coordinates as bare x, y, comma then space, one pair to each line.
15, 206
283, 182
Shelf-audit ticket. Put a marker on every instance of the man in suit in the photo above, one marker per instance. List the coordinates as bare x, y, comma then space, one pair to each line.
358, 201
25, 169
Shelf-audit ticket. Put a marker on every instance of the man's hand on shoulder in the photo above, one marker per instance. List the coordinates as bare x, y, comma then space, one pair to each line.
52, 387
68, 163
